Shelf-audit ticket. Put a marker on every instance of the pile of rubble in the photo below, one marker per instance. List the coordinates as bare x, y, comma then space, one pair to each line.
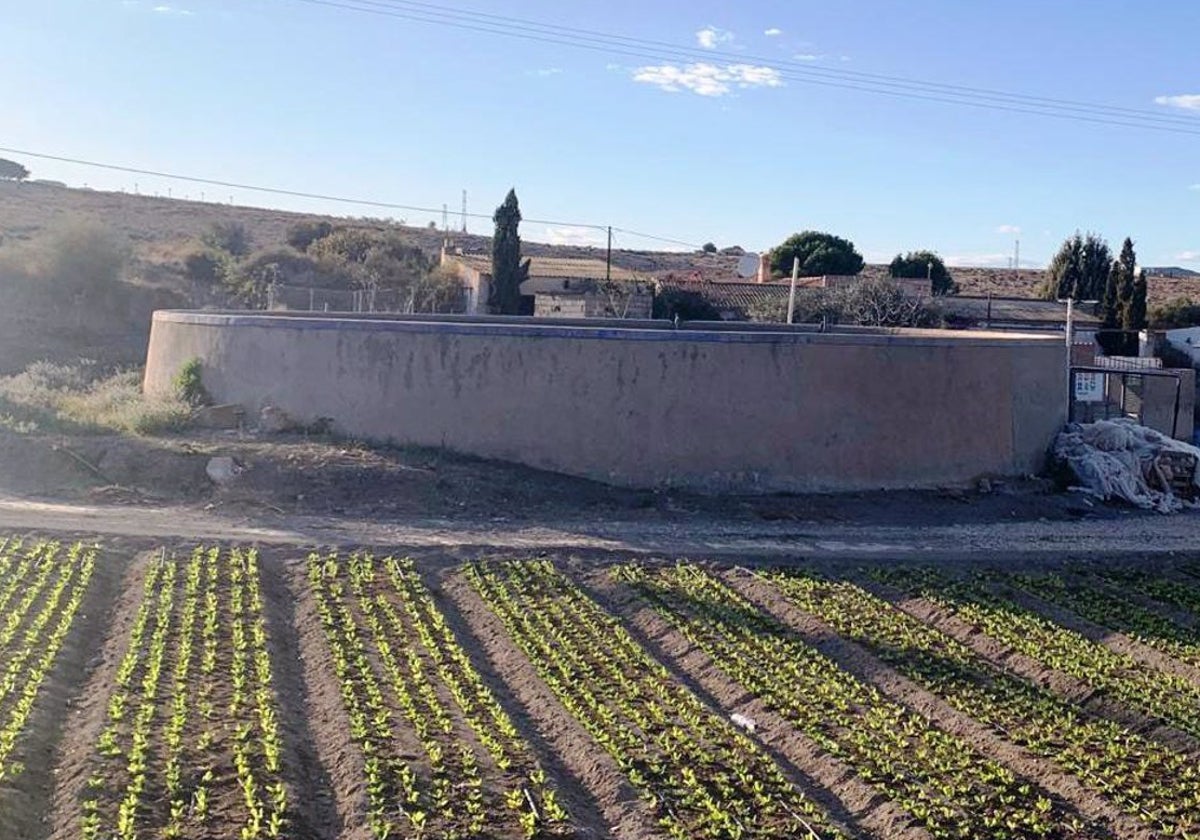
1120, 459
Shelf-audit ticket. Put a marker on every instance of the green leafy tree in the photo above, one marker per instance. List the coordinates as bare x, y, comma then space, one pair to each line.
1079, 270
709, 248
925, 264
684, 304
1097, 263
10, 170
370, 259
508, 271
819, 254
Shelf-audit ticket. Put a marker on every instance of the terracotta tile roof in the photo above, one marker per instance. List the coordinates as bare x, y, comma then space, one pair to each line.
556, 268
733, 299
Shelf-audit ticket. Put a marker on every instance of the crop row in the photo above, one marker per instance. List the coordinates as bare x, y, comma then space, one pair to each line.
1114, 610
943, 782
397, 659
1166, 697
701, 775
175, 742
1140, 776
41, 593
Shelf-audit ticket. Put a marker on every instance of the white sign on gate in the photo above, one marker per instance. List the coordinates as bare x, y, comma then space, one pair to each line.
1089, 387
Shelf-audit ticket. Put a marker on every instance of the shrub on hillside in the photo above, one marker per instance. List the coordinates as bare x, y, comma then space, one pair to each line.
203, 267
303, 234
230, 237
76, 264
250, 280
371, 259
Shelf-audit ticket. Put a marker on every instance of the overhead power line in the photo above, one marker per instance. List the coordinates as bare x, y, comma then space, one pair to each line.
802, 73
365, 202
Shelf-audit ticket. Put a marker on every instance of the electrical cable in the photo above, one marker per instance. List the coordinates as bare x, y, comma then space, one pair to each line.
983, 98
386, 205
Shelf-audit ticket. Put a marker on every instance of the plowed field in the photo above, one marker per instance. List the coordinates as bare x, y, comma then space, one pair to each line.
224, 691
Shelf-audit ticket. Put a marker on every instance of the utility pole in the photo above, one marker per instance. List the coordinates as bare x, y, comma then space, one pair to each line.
608, 259
792, 291
464, 212
1017, 259
445, 218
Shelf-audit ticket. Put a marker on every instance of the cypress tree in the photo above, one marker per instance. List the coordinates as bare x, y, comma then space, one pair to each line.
1112, 298
1126, 281
508, 272
1135, 312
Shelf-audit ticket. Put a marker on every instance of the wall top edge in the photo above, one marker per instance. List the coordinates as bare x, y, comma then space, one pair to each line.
660, 331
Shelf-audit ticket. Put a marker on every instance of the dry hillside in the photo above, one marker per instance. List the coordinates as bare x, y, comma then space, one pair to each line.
161, 232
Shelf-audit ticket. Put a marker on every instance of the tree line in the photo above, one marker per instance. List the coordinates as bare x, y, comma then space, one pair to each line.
1084, 269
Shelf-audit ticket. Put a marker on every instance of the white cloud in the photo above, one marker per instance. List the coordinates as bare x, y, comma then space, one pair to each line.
1009, 230
547, 72
710, 37
708, 79
1186, 101
1189, 256
172, 10
573, 236
807, 57
773, 32
1195, 187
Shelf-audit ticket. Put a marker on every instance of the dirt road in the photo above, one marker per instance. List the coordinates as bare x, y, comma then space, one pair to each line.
693, 536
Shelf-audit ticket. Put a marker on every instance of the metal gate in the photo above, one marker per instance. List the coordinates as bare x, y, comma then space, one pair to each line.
1149, 396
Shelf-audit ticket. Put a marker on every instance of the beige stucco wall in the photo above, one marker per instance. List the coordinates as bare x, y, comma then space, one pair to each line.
725, 410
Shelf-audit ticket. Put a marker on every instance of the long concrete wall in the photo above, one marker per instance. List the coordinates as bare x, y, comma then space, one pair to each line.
711, 410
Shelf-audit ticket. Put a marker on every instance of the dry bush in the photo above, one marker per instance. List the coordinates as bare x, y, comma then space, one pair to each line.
78, 398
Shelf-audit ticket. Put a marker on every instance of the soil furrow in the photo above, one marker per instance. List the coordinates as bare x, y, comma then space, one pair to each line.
866, 667
1068, 688
593, 789
860, 808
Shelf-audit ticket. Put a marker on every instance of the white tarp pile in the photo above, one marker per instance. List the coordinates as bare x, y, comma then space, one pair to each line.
1124, 460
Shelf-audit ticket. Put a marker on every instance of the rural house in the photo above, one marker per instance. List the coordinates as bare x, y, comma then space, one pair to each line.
561, 288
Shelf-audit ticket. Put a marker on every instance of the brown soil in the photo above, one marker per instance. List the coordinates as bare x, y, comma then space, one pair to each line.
88, 716
314, 803
24, 805
1069, 793
323, 709
289, 476
597, 785
308, 814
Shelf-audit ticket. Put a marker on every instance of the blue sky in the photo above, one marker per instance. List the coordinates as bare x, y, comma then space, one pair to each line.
728, 144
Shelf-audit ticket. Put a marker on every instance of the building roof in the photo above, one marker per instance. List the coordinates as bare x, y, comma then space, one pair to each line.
733, 298
1020, 311
556, 268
